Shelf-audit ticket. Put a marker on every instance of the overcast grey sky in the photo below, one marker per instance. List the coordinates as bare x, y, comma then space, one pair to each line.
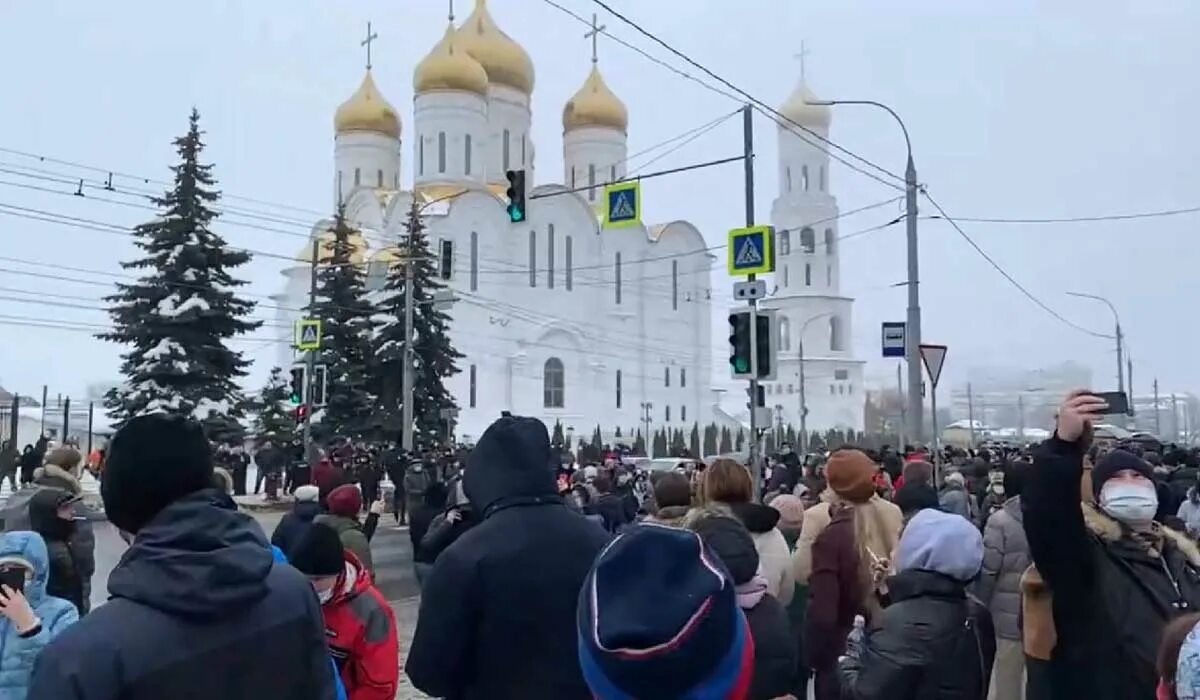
1017, 109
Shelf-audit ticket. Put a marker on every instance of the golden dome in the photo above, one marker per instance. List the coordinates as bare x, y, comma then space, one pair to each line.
358, 252
449, 67
366, 110
800, 108
387, 256
595, 105
505, 62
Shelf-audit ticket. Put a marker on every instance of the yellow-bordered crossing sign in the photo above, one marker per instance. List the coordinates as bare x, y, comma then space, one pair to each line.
308, 334
623, 204
751, 250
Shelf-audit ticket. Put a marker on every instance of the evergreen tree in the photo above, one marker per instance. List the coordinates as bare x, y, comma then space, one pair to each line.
694, 441
678, 446
275, 421
660, 444
639, 444
618, 431
791, 437
597, 441
434, 358
710, 440
342, 306
177, 318
557, 438
816, 443
741, 440
726, 445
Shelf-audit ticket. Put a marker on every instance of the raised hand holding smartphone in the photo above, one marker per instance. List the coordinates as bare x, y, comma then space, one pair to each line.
1076, 413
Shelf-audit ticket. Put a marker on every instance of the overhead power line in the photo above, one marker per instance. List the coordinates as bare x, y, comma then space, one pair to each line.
1004, 273
1078, 219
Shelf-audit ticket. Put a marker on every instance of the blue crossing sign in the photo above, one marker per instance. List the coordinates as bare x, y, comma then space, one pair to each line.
751, 251
623, 205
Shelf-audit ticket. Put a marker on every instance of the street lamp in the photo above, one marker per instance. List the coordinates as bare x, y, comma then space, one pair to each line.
912, 343
1119, 336
803, 401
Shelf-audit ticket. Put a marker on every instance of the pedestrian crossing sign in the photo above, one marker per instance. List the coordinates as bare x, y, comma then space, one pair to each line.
751, 251
308, 334
622, 204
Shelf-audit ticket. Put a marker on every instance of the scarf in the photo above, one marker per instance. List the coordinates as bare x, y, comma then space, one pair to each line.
750, 593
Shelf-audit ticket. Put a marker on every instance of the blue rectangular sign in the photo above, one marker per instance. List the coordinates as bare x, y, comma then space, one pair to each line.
893, 339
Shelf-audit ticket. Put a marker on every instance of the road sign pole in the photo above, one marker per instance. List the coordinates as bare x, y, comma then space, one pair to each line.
934, 358
311, 357
748, 162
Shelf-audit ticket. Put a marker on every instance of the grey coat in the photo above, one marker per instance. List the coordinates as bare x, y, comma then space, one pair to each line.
955, 499
1005, 558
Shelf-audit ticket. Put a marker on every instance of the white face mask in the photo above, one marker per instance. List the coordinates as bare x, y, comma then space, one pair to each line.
1131, 503
325, 596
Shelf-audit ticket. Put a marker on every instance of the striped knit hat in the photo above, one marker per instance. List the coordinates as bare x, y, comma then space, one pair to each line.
658, 618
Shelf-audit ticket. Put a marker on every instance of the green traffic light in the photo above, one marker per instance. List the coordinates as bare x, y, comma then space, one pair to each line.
741, 365
516, 215
295, 400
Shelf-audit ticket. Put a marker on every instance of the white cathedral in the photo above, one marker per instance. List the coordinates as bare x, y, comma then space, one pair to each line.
559, 317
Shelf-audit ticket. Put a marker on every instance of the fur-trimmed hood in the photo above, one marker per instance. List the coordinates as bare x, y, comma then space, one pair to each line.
53, 475
1109, 530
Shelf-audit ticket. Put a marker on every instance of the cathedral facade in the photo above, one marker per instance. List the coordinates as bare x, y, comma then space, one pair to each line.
557, 316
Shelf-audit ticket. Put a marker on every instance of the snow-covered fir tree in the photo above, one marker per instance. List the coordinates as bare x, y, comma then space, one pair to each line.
274, 420
345, 312
176, 320
434, 358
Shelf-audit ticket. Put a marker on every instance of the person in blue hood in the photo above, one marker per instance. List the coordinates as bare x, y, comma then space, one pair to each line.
29, 618
198, 607
497, 616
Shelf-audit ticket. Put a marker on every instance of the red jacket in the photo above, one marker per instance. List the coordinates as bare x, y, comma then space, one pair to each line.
360, 628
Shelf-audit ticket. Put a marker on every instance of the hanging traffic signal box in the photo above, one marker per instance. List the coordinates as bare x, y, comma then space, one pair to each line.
297, 393
740, 364
516, 195
760, 401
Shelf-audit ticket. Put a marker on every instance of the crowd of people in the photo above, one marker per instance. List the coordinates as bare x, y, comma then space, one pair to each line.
1061, 570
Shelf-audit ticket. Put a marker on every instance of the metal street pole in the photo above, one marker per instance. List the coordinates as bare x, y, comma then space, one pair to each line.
310, 359
1157, 424
748, 162
971, 413
406, 412
912, 331
903, 411
803, 395
1120, 336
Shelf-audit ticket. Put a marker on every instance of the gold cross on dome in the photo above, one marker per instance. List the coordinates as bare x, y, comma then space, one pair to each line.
371, 36
594, 35
451, 10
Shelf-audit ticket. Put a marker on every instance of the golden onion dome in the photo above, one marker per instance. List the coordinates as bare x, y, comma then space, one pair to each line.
366, 110
799, 108
386, 256
505, 62
595, 105
449, 67
358, 251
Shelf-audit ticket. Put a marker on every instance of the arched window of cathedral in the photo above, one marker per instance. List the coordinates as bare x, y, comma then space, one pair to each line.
830, 241
785, 333
339, 186
683, 414
787, 177
786, 277
667, 414
524, 140
807, 274
572, 177
682, 377
550, 256
785, 242
837, 342
380, 183
420, 156
568, 262
612, 175
829, 275
533, 258
553, 384
505, 147
473, 386
441, 151
591, 182
667, 377
467, 155
804, 177
396, 180
808, 240
357, 177
618, 388
617, 277
823, 183
474, 261
674, 285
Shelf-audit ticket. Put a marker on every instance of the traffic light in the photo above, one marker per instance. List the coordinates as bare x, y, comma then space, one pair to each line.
764, 326
761, 400
516, 195
301, 414
739, 344
320, 382
297, 394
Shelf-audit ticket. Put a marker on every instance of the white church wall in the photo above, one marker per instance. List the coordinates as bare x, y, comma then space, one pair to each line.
448, 124
593, 156
508, 113
364, 159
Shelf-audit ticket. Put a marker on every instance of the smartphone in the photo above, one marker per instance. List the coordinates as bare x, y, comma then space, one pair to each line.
1118, 403
14, 578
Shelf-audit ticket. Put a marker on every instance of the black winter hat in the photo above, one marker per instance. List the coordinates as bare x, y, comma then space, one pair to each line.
153, 461
319, 552
731, 541
915, 496
1114, 462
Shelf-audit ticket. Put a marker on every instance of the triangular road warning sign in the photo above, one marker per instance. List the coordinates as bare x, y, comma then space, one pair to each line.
934, 356
622, 207
308, 334
749, 255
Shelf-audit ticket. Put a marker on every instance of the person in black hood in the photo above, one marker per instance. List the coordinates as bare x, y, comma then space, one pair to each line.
497, 617
609, 505
198, 607
419, 522
296, 522
52, 515
30, 461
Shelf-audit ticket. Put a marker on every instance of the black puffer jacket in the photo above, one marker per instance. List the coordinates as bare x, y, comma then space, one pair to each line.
1112, 596
294, 524
933, 643
497, 618
775, 653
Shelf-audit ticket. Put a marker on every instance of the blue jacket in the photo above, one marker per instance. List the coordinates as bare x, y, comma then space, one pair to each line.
199, 609
16, 654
